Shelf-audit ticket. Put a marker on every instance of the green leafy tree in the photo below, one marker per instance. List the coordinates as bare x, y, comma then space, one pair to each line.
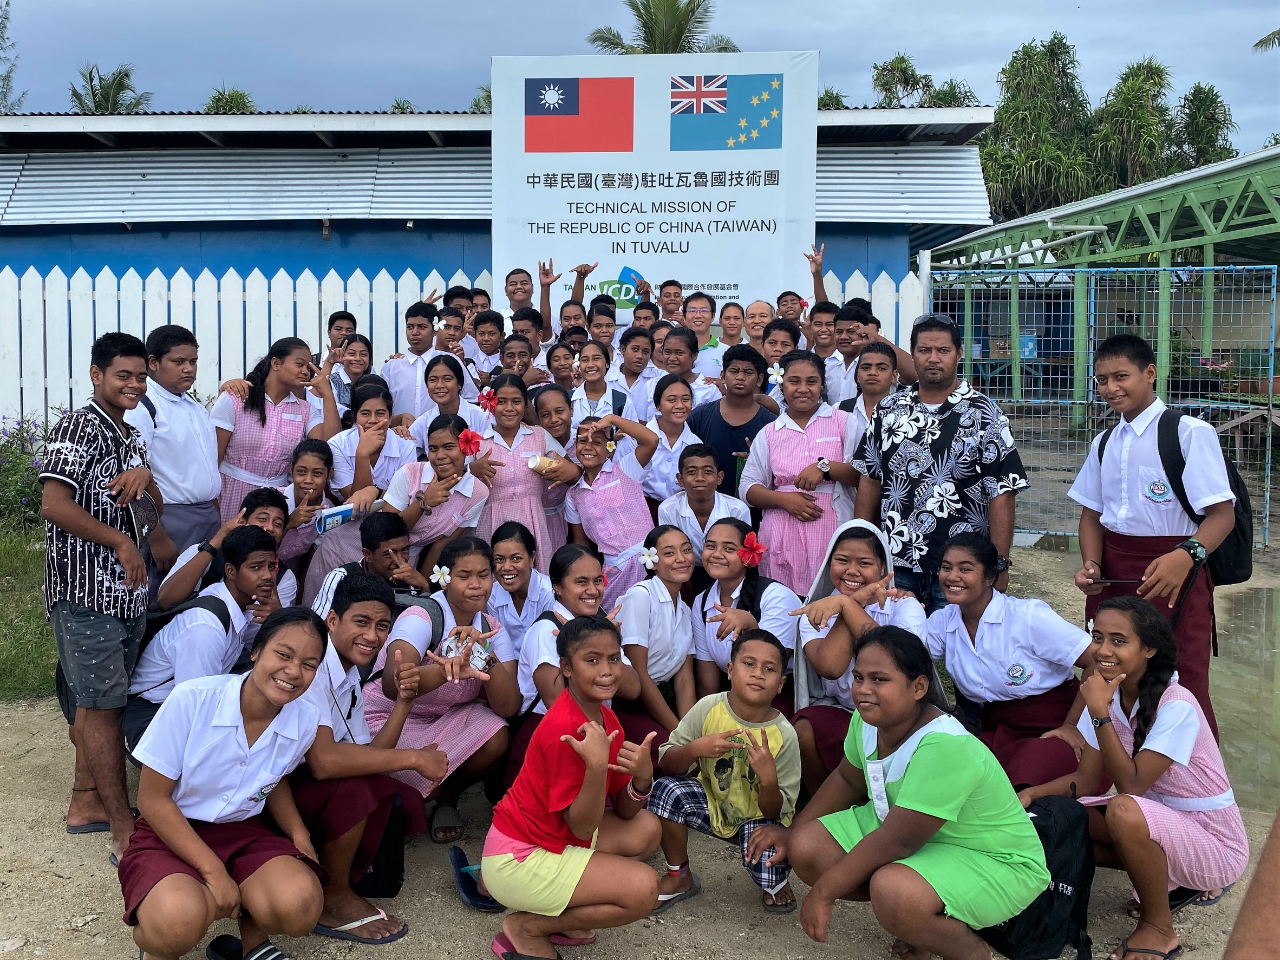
1035, 155
665, 26
1202, 128
482, 102
832, 99
951, 93
112, 92
303, 108
900, 84
402, 105
1270, 42
1132, 139
230, 100
9, 101
1271, 141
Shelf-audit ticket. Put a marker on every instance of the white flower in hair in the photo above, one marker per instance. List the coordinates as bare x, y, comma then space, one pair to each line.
440, 575
438, 324
649, 557
775, 374
611, 446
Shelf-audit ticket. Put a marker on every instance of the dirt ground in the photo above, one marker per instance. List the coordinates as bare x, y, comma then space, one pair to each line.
59, 897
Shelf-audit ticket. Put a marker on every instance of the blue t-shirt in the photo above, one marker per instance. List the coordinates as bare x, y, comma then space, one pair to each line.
726, 440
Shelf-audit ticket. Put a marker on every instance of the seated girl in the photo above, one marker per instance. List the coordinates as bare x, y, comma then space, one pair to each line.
657, 637
460, 707
740, 599
1172, 824
851, 595
918, 818
438, 498
607, 507
444, 393
368, 452
521, 592
554, 412
577, 582
307, 494
1013, 659
568, 843
220, 751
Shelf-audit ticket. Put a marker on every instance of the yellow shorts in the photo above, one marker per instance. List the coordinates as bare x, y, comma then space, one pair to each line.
542, 883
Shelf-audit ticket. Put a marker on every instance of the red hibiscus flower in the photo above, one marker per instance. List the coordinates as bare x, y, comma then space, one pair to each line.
804, 303
487, 401
469, 443
604, 577
752, 551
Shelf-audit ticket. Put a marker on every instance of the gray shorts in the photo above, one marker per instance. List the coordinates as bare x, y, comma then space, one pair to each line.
97, 653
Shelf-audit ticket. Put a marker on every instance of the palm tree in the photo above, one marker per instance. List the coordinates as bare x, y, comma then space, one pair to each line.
832, 99
402, 105
952, 93
1202, 127
482, 102
9, 103
665, 26
112, 92
230, 100
1269, 42
1134, 122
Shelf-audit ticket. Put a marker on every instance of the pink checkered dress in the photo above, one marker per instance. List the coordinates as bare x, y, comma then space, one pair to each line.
1206, 848
457, 512
553, 505
613, 513
259, 455
797, 548
516, 491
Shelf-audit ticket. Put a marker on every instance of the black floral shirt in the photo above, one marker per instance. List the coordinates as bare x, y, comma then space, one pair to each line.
938, 469
87, 450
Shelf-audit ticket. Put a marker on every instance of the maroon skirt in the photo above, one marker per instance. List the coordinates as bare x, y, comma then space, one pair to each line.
1011, 729
520, 746
830, 726
331, 808
243, 847
1194, 630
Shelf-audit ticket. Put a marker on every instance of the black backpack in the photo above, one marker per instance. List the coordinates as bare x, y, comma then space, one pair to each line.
385, 875
1232, 562
1060, 915
619, 400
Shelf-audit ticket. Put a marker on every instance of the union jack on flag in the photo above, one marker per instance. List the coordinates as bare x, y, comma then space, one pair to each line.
699, 94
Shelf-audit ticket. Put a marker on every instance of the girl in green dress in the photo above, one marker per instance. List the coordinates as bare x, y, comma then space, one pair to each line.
918, 818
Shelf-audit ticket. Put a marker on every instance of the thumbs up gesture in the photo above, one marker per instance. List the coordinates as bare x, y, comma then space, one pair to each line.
406, 676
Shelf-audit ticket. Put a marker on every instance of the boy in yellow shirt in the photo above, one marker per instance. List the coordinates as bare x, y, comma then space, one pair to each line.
731, 767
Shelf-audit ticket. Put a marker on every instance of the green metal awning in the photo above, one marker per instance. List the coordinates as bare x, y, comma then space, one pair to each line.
1230, 208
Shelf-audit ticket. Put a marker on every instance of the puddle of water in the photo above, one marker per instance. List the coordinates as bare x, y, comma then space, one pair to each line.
1246, 693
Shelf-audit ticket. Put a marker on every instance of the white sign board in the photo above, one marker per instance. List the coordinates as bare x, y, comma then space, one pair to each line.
698, 168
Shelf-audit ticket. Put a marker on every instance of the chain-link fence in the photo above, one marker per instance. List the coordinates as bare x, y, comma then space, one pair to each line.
1029, 338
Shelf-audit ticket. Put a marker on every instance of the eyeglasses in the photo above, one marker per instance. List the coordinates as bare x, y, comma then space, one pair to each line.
698, 312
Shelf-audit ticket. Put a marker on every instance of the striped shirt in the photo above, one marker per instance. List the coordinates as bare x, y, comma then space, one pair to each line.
87, 450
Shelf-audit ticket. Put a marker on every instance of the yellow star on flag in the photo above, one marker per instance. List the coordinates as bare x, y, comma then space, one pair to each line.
742, 138
742, 121
755, 101
775, 84
764, 121
755, 134
774, 114
765, 95
732, 141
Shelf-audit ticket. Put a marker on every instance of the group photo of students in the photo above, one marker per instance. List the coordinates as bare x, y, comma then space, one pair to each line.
694, 564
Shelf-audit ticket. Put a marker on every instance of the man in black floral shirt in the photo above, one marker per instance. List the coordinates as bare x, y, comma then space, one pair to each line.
937, 459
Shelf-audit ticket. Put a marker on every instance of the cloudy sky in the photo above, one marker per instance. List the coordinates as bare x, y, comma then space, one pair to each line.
360, 56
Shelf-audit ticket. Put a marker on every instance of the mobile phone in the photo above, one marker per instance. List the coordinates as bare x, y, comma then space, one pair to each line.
1107, 582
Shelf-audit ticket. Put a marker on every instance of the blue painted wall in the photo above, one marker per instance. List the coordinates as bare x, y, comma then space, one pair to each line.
368, 245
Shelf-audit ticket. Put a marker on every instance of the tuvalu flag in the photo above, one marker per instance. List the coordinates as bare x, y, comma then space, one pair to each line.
727, 112
579, 114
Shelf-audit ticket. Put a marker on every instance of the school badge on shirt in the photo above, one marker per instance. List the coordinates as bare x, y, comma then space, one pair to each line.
1018, 675
1158, 491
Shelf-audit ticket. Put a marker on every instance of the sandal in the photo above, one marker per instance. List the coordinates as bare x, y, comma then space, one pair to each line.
465, 879
668, 900
344, 932
1203, 901
776, 907
1128, 950
227, 947
446, 818
504, 949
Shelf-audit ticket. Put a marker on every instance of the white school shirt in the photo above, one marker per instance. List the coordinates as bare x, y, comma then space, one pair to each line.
1022, 648
476, 419
776, 604
197, 738
488, 362
192, 644
1173, 732
182, 446
584, 406
905, 613
539, 647
415, 630
660, 476
538, 601
651, 619
616, 379
841, 380
286, 590
1131, 490
407, 380
338, 698
676, 512
759, 469
704, 391
396, 453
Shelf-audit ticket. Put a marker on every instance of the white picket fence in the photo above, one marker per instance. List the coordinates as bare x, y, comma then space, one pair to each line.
57, 319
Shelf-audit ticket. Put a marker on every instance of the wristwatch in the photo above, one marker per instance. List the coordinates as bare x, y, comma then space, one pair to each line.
1194, 547
1003, 564
824, 465
1100, 722
208, 548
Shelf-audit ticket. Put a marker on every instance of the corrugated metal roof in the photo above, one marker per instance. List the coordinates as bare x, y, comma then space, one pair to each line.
854, 185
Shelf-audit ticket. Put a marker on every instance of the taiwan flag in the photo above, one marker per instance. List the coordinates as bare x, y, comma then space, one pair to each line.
579, 115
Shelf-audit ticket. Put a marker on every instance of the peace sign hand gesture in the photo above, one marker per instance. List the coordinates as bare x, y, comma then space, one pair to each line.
761, 759
815, 259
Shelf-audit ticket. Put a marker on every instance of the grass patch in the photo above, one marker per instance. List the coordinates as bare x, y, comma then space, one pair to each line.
28, 655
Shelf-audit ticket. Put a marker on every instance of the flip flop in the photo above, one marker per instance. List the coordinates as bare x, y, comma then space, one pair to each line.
464, 878
668, 900
1181, 897
560, 940
446, 817
1211, 900
344, 932
1134, 951
98, 826
779, 907
227, 947
504, 949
